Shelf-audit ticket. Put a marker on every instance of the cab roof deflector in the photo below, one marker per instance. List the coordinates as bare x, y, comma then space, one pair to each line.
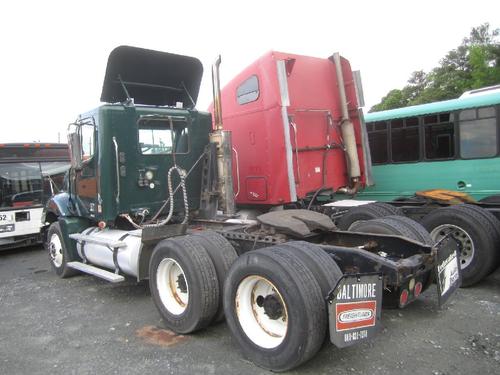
151, 77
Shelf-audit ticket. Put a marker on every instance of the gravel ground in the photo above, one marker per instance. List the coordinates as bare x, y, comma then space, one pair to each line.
84, 325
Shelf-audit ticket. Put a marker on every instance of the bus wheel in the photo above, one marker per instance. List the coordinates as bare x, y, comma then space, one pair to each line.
471, 230
222, 254
367, 212
183, 284
58, 254
274, 308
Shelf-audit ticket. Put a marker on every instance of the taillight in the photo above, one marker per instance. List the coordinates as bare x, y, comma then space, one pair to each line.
403, 298
418, 289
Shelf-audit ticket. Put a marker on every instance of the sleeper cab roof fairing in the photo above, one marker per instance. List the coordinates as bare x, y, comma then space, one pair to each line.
151, 77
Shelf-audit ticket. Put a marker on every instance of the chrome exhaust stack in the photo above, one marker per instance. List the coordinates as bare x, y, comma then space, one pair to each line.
222, 138
348, 136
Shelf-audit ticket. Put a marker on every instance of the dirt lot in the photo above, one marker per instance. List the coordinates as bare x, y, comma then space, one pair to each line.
84, 325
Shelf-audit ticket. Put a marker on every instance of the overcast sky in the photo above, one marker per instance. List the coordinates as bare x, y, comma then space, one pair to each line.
54, 53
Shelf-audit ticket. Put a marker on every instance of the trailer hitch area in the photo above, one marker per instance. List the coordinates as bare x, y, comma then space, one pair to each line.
354, 308
447, 270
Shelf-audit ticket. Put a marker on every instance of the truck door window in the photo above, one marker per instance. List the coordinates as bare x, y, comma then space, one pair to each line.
156, 137
87, 139
248, 91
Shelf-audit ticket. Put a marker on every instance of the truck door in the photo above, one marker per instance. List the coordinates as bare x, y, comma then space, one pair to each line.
86, 176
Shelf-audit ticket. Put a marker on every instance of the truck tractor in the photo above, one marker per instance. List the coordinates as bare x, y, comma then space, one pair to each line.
299, 142
150, 196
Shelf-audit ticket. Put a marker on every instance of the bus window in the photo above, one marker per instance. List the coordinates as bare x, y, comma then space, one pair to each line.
478, 133
21, 184
405, 141
439, 140
377, 136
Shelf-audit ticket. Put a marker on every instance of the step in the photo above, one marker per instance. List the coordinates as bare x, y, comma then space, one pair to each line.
97, 240
95, 271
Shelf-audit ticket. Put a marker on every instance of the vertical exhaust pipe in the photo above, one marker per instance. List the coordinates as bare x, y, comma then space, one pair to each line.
222, 138
216, 94
347, 130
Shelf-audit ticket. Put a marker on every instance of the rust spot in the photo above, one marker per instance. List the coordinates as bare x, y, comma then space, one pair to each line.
158, 336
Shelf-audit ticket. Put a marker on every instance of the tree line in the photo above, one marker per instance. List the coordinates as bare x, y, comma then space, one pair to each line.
473, 64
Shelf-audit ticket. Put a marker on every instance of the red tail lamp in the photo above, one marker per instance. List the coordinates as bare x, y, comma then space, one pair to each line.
418, 289
403, 298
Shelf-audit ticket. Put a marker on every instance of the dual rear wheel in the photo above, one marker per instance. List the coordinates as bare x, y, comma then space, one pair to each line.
273, 299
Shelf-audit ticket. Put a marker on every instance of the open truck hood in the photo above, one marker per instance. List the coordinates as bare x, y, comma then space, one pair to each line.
151, 77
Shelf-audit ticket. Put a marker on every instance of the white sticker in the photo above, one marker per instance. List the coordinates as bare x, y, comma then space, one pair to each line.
448, 273
317, 170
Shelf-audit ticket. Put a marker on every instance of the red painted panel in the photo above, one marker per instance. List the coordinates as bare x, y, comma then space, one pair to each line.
256, 188
314, 123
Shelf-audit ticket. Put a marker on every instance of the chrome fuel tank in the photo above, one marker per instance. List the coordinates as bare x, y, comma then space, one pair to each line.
101, 254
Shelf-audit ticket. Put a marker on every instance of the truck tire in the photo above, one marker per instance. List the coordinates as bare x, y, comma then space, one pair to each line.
274, 308
223, 255
477, 242
366, 212
401, 226
323, 267
183, 284
391, 225
58, 254
419, 233
492, 199
493, 227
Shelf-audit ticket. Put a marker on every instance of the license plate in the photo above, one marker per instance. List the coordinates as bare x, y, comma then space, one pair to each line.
447, 270
354, 309
7, 228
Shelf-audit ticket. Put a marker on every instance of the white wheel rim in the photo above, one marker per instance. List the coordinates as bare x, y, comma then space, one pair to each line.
56, 250
259, 327
467, 245
172, 286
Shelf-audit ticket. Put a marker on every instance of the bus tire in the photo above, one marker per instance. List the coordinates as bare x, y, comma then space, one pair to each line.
183, 283
59, 256
274, 308
223, 255
477, 243
366, 212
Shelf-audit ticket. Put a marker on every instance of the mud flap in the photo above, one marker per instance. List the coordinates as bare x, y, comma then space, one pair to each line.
447, 270
354, 309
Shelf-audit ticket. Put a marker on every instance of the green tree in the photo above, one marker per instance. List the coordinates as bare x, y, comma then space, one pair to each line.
473, 64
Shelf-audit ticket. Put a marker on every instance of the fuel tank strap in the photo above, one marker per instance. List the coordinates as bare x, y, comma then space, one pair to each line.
115, 255
84, 257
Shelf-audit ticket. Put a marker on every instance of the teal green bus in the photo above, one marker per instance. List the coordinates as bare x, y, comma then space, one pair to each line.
452, 145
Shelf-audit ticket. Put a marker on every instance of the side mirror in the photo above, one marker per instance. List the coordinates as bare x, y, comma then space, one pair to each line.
75, 149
